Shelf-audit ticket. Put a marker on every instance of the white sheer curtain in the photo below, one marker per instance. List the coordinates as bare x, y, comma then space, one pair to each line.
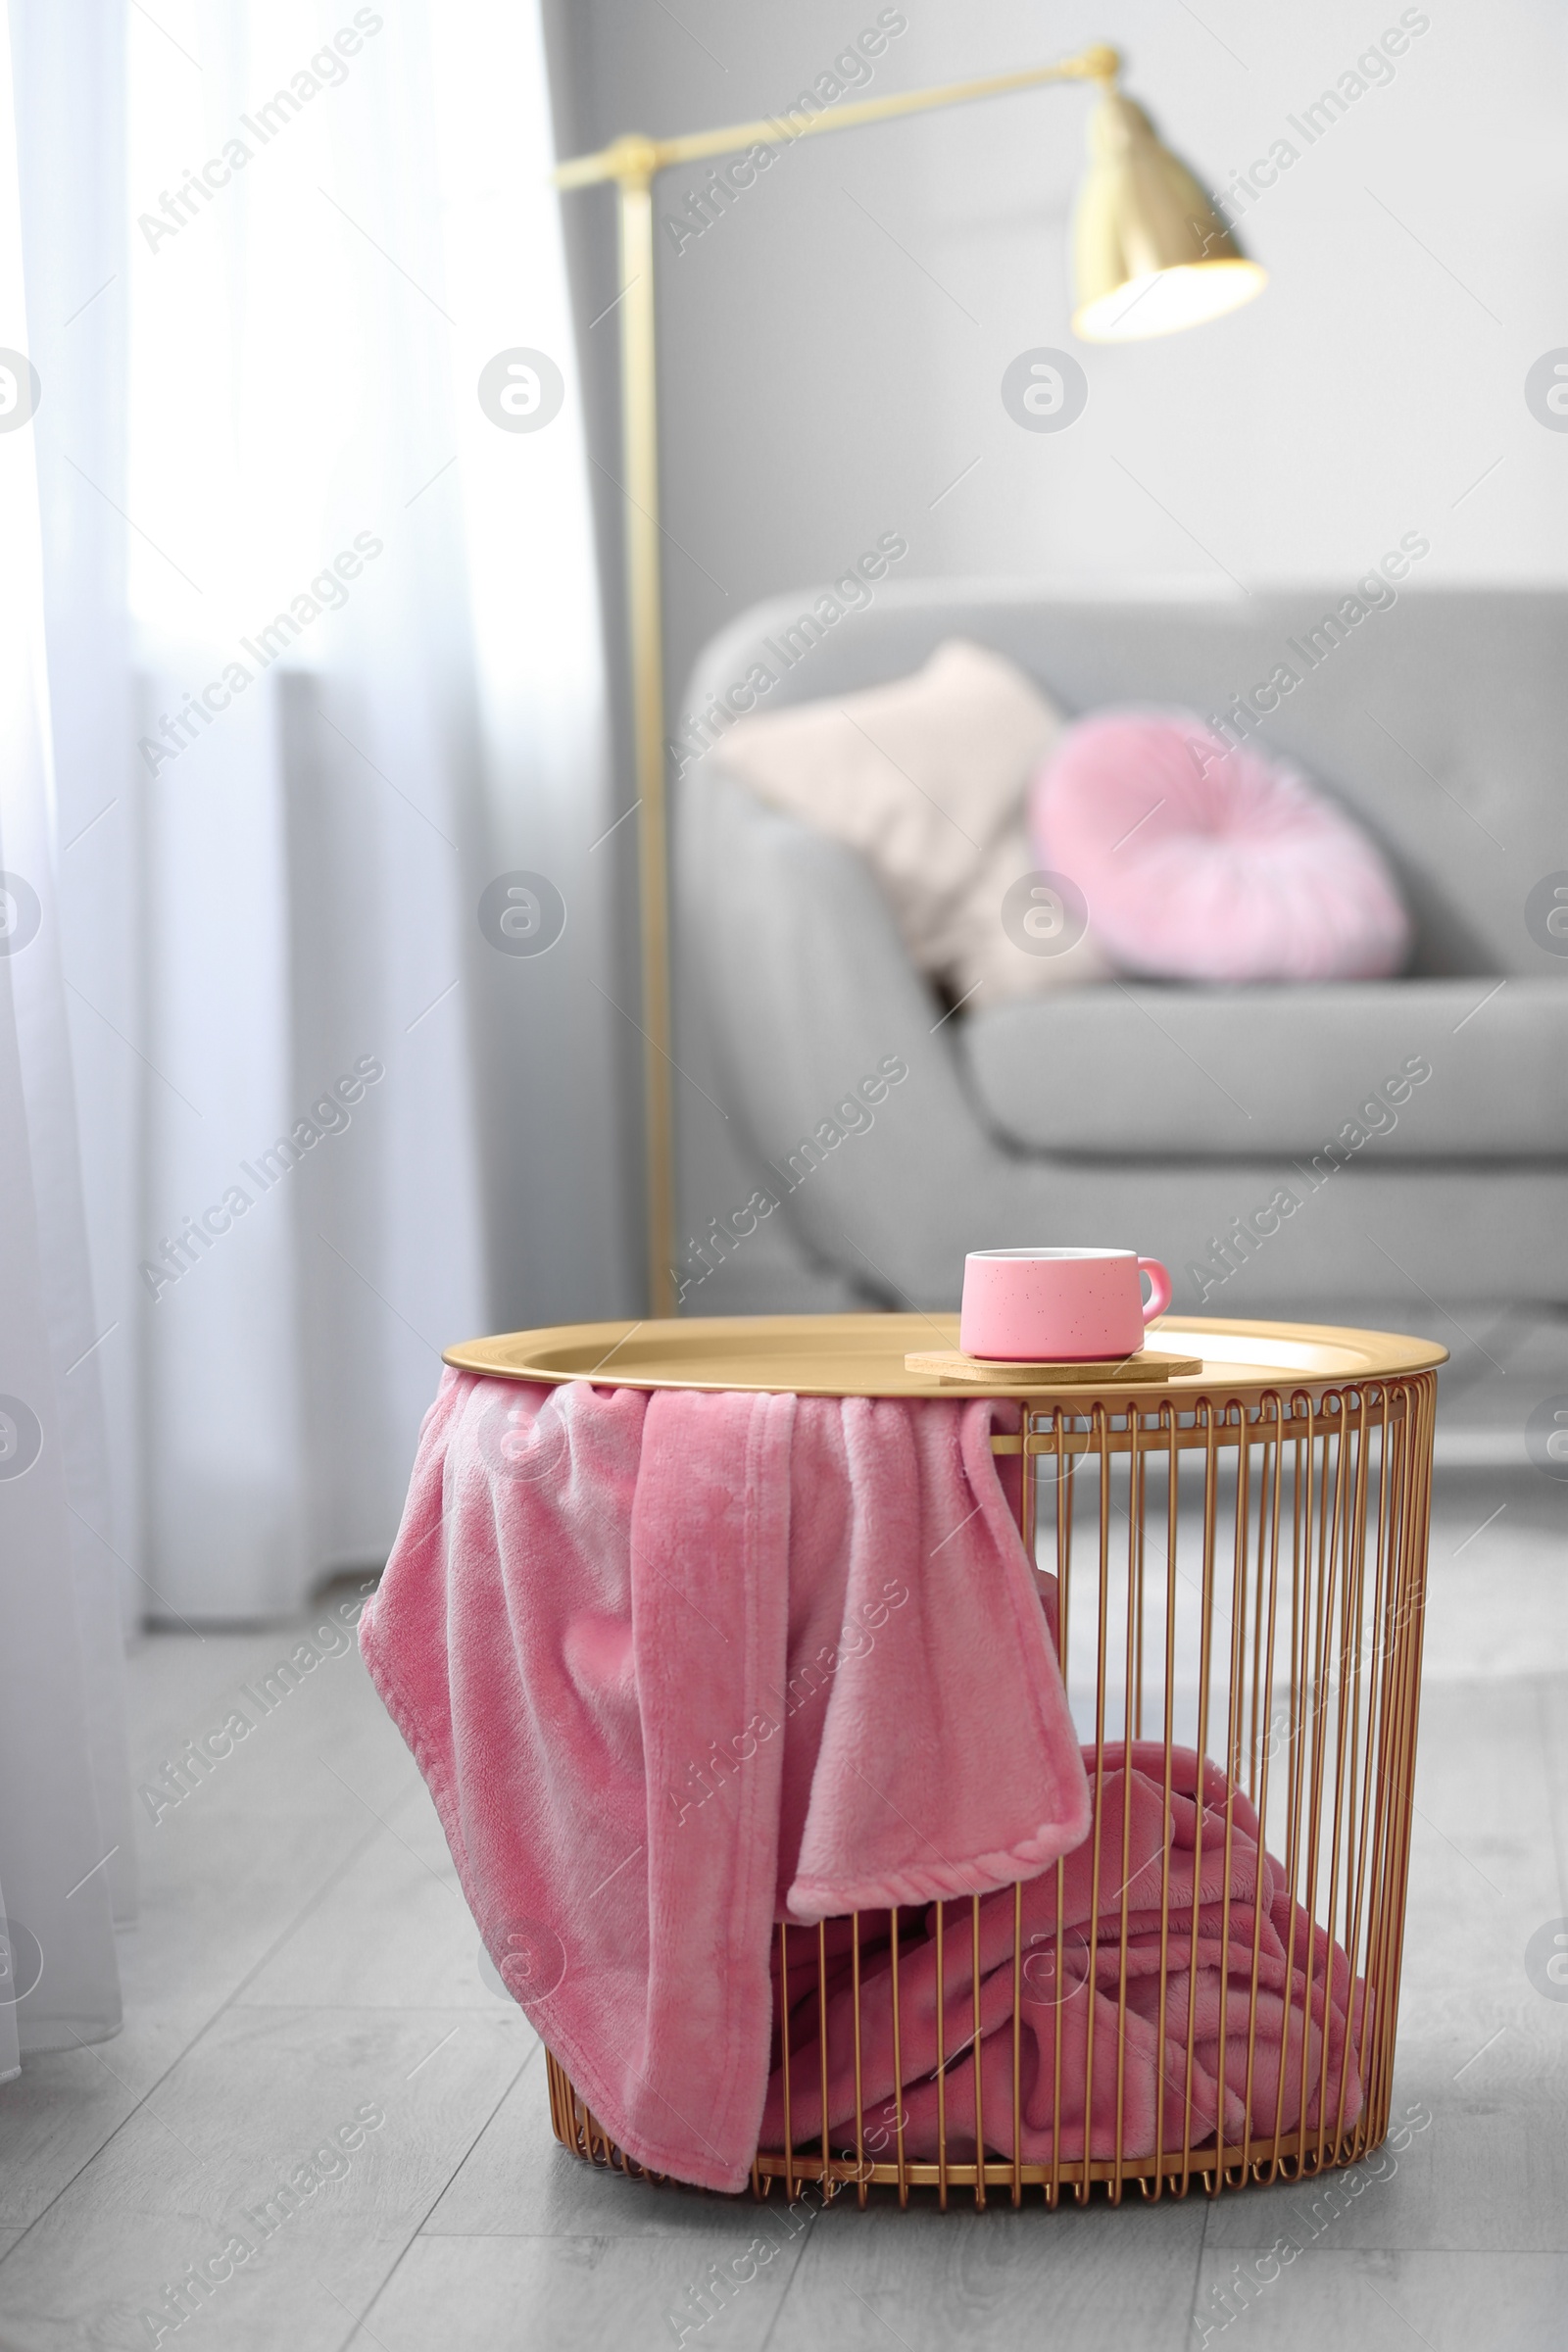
368, 622
64, 1839
277, 1118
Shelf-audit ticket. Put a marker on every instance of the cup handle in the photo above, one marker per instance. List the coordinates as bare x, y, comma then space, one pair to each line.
1159, 1287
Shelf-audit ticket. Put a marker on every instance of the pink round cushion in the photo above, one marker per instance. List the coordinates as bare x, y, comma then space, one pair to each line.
1203, 860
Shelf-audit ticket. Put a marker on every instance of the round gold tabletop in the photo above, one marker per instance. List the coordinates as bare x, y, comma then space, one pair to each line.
862, 1355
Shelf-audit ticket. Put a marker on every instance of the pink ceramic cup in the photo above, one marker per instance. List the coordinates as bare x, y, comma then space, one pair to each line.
1038, 1306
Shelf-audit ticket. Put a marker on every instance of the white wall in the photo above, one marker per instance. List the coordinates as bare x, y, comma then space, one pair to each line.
833, 347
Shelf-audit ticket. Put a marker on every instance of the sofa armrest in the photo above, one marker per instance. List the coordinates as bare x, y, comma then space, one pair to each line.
796, 991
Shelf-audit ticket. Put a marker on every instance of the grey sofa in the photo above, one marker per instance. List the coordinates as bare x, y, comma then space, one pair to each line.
1168, 1118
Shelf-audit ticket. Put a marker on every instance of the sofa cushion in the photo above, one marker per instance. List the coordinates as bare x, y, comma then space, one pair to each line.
1416, 1069
926, 778
1202, 860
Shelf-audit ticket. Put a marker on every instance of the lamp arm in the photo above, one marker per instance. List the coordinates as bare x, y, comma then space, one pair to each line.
635, 159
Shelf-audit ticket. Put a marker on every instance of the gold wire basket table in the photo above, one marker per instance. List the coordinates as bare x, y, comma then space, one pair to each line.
1240, 1556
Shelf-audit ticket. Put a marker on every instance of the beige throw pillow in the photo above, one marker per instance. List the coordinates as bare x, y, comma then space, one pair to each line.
926, 778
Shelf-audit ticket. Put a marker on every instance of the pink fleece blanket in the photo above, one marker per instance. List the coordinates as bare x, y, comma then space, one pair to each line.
1111, 2064
675, 1666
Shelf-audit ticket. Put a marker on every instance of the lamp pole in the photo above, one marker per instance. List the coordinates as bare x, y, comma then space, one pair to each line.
646, 634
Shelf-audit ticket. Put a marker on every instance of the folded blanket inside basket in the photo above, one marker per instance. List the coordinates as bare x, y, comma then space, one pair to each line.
677, 1666
1168, 1921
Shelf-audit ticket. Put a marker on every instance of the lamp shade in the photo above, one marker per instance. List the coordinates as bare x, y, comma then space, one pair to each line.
1150, 253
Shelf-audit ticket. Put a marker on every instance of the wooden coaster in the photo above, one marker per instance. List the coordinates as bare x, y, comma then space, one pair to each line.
1146, 1369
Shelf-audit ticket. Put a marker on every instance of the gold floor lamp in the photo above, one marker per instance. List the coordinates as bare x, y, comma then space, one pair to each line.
1150, 256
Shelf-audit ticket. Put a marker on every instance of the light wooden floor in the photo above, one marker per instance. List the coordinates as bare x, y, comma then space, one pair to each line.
304, 1952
